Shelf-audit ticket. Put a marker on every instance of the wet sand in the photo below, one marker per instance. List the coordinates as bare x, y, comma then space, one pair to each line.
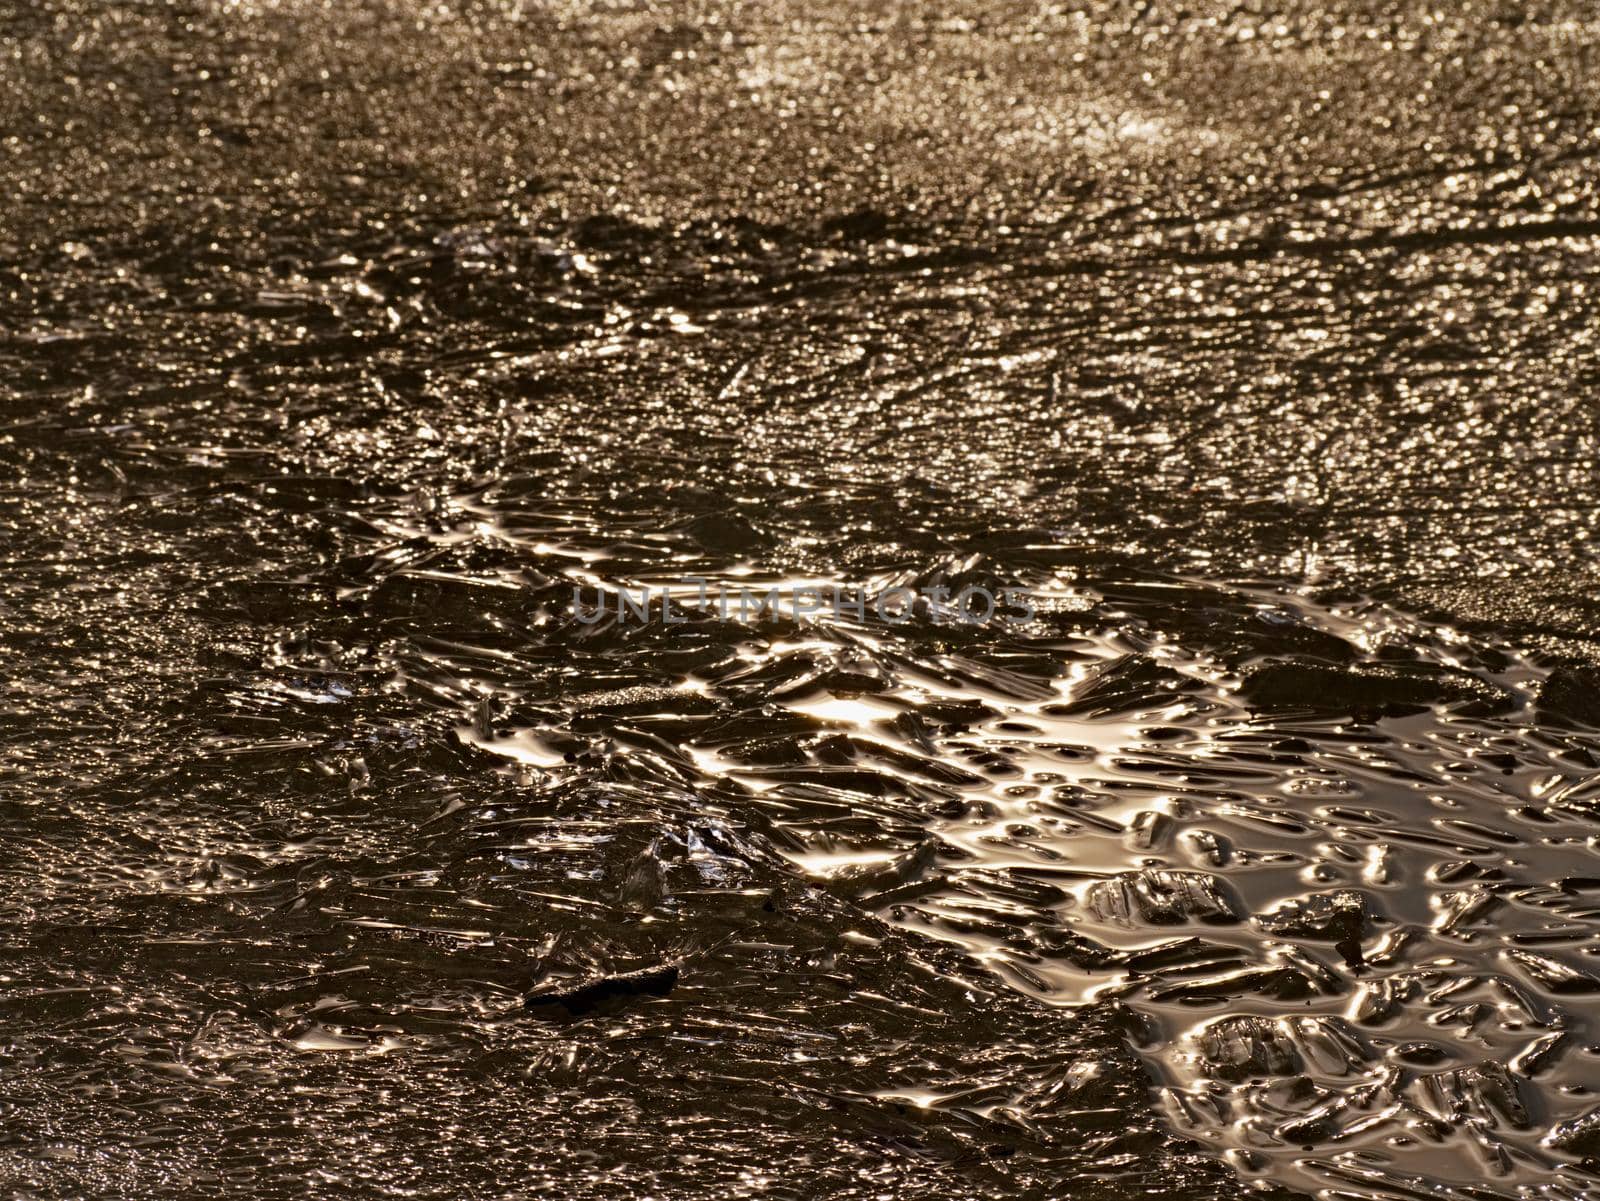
340, 343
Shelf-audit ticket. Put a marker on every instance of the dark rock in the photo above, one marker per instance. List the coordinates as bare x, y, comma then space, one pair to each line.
1580, 799
725, 533
864, 880
1484, 1091
1239, 1048
1384, 689
1422, 1054
1130, 682
1338, 917
1229, 625
1077, 949
1572, 693
1282, 983
577, 999
1462, 907
1578, 1136
1554, 976
1329, 1044
1161, 897
1182, 954
645, 885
